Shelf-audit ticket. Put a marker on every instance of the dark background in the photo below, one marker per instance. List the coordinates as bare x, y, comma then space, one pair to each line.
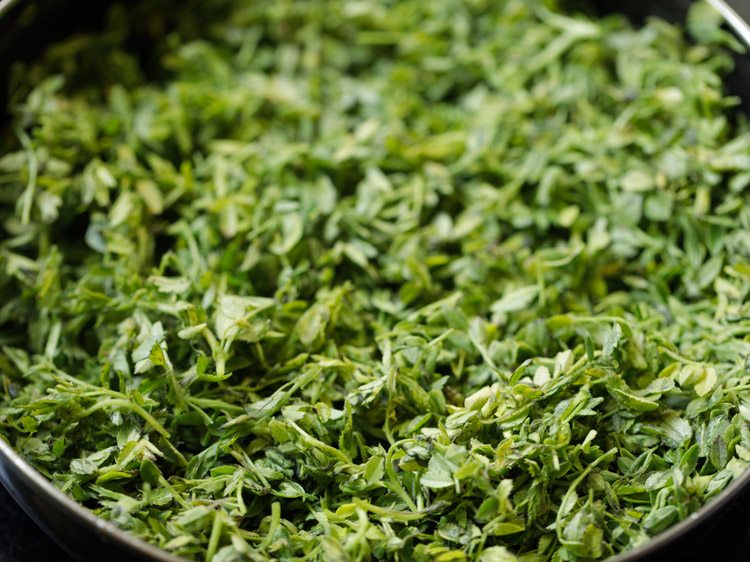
742, 7
728, 541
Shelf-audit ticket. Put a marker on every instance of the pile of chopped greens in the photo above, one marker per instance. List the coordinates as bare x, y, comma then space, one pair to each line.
379, 279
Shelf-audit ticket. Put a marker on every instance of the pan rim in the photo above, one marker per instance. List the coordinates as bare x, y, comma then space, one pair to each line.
5, 5
100, 526
35, 479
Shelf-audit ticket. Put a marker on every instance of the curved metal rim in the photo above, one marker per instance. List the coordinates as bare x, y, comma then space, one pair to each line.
5, 5
709, 510
652, 546
742, 29
54, 495
738, 25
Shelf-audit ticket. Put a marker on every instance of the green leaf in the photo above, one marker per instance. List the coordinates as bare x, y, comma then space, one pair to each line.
438, 474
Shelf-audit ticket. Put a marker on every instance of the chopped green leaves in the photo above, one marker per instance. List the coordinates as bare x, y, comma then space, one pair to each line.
379, 280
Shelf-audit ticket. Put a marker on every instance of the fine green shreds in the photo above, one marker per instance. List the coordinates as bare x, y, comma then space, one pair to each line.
379, 279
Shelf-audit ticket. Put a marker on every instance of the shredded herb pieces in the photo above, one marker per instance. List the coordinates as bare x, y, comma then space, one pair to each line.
379, 280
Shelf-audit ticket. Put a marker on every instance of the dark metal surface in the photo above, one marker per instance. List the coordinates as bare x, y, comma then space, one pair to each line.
742, 8
76, 529
21, 540
87, 537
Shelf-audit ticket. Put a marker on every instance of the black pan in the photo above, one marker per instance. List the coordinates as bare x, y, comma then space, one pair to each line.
26, 28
